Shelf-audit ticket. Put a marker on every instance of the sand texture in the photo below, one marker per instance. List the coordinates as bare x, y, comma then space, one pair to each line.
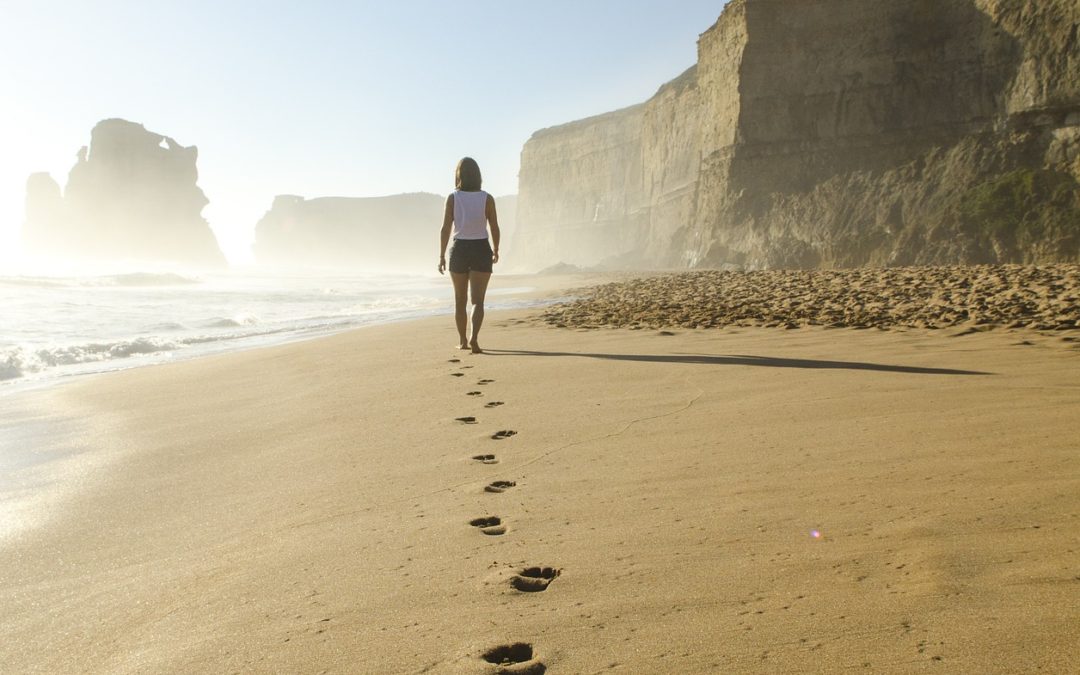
746, 500
1045, 297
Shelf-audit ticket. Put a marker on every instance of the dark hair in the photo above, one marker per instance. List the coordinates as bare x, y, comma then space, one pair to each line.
467, 175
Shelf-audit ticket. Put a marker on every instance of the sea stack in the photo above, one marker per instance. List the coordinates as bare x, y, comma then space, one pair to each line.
131, 196
834, 133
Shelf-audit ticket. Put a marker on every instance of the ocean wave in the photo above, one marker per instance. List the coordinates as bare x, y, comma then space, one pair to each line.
238, 321
308, 326
79, 324
11, 366
17, 362
167, 326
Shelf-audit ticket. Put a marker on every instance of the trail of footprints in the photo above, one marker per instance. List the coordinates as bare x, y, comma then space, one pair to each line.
518, 658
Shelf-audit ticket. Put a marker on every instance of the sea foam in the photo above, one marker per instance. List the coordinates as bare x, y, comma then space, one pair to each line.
55, 326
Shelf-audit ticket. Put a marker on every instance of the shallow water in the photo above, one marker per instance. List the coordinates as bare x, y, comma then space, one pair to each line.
52, 327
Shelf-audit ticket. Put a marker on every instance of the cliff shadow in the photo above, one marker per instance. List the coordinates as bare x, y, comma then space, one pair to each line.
744, 360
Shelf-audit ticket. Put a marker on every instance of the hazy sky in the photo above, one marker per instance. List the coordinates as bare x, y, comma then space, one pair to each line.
322, 98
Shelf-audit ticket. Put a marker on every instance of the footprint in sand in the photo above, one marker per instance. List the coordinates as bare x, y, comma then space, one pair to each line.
499, 486
486, 459
494, 404
518, 658
489, 525
457, 374
464, 367
466, 420
505, 433
454, 361
534, 579
475, 393
485, 381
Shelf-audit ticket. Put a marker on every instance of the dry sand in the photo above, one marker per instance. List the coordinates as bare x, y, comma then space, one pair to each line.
307, 508
1042, 297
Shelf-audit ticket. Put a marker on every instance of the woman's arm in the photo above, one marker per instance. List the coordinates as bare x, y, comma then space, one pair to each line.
444, 236
493, 221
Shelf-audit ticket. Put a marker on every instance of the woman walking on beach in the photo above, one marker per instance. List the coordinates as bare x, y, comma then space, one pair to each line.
469, 213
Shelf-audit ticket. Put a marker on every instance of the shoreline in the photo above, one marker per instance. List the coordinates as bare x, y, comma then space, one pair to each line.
533, 290
309, 505
44, 455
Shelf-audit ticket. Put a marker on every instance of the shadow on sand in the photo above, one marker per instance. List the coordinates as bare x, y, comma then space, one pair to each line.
744, 360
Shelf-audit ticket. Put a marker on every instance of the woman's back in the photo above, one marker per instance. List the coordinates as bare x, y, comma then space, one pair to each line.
470, 214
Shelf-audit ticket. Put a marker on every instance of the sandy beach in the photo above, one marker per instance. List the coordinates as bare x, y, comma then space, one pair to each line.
662, 500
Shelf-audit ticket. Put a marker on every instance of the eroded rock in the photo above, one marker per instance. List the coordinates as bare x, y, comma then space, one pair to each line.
132, 195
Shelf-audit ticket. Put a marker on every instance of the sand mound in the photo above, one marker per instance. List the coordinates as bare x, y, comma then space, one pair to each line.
1045, 297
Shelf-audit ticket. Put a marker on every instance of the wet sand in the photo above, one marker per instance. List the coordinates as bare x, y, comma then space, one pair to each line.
744, 499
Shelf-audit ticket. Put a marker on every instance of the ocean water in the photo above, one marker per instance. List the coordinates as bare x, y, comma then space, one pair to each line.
53, 327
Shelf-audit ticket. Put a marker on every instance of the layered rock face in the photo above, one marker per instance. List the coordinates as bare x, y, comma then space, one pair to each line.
830, 133
397, 233
132, 195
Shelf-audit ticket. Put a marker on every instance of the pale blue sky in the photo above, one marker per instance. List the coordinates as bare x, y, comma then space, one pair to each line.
322, 98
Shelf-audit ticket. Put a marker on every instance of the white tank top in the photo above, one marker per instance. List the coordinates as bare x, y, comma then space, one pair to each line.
470, 215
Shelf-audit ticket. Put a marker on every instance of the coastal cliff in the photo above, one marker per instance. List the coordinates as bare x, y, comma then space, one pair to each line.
394, 232
397, 233
132, 195
830, 133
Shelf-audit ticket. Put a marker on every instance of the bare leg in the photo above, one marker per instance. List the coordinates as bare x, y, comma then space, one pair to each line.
478, 282
461, 317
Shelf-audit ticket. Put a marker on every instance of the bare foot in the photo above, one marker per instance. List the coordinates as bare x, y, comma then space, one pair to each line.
463, 345
476, 347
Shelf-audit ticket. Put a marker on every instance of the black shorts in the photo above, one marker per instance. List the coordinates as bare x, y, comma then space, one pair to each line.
470, 255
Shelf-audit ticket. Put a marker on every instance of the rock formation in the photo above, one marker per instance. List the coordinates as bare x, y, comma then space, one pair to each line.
397, 233
830, 133
132, 195
506, 206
